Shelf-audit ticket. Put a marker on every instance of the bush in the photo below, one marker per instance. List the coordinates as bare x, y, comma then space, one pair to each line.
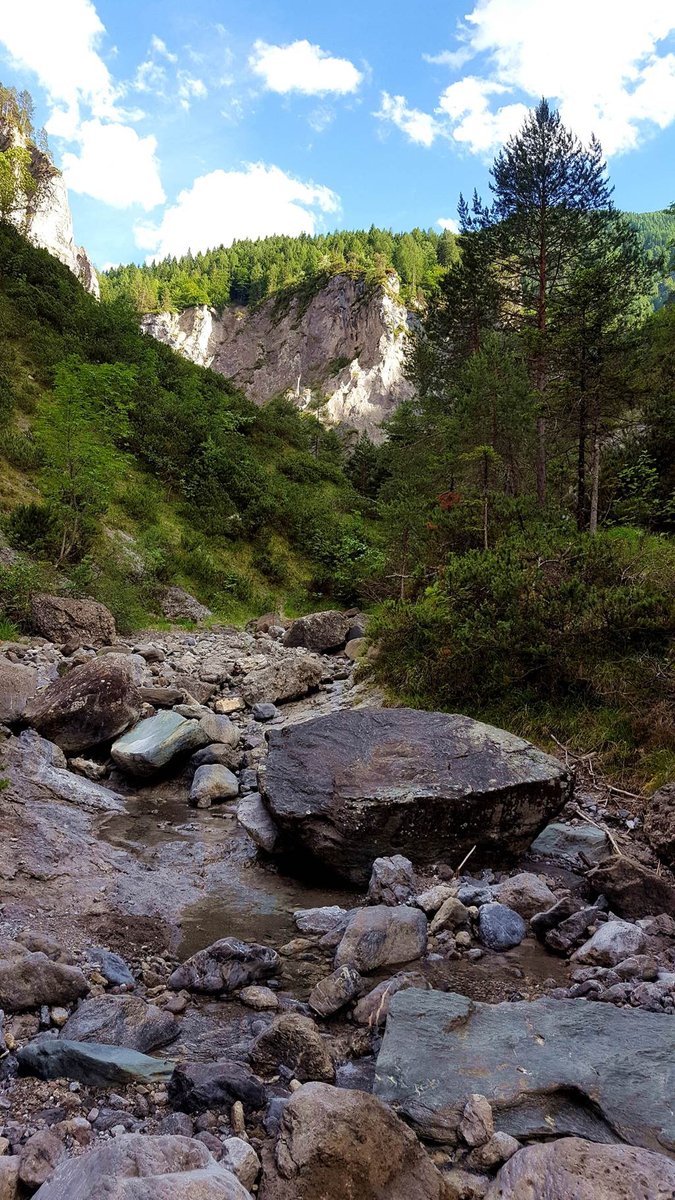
21, 450
18, 582
33, 527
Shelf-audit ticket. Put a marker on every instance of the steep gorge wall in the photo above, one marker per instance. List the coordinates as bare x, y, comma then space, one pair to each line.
340, 351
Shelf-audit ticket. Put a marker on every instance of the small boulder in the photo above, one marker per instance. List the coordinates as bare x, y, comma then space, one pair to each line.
9, 1177
434, 897
211, 785
562, 842
255, 819
293, 1041
356, 648
194, 1087
322, 920
178, 605
225, 966
334, 1143
633, 891
264, 712
283, 679
452, 915
76, 622
610, 944
392, 881
499, 927
31, 980
112, 966
240, 1158
90, 705
154, 742
121, 1021
477, 1125
217, 728
39, 1158
381, 935
260, 998
373, 1008
18, 685
332, 993
525, 893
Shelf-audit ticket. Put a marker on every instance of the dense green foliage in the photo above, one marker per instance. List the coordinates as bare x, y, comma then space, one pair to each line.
248, 271
133, 468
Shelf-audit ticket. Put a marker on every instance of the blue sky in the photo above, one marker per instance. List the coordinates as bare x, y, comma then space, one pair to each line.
183, 126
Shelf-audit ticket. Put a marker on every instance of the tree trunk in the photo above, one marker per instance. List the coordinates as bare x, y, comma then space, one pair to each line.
541, 459
595, 482
581, 464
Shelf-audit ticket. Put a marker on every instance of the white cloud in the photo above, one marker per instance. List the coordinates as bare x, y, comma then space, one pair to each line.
448, 223
467, 105
418, 126
302, 67
253, 202
60, 44
160, 47
115, 165
603, 61
190, 88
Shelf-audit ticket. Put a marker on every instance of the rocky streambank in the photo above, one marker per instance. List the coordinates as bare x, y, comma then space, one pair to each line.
260, 935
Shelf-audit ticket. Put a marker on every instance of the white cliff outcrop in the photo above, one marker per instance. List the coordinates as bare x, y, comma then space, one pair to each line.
48, 222
340, 352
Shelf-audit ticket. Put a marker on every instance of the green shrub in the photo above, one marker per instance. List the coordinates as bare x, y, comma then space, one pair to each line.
33, 527
21, 450
18, 582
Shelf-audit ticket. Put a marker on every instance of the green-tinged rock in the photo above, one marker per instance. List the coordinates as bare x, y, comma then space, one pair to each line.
91, 1063
153, 743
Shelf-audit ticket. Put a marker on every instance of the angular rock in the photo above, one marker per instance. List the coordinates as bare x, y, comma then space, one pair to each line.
9, 1177
283, 679
264, 712
525, 893
499, 927
332, 993
90, 705
219, 729
356, 648
194, 1087
392, 881
138, 1167
256, 820
32, 980
434, 897
179, 605
319, 631
573, 930
543, 922
477, 1125
452, 915
112, 966
240, 1158
212, 784
121, 1021
497, 1150
18, 685
610, 944
217, 752
293, 1041
225, 966
567, 842
322, 920
92, 1063
154, 742
548, 1067
77, 622
378, 936
659, 824
335, 1143
259, 998
39, 1158
373, 1008
574, 1169
633, 891
360, 784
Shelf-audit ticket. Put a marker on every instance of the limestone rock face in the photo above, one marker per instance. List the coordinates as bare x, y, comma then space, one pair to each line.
358, 785
574, 1169
548, 1067
135, 1165
348, 343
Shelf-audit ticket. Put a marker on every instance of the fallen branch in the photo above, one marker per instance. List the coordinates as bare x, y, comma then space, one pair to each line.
606, 832
465, 860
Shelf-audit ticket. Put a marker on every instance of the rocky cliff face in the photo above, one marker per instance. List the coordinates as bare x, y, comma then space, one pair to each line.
340, 351
50, 223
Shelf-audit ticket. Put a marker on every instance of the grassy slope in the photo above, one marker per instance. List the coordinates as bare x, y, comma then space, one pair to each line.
44, 317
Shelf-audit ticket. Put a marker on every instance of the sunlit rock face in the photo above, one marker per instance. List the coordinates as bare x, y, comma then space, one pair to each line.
339, 352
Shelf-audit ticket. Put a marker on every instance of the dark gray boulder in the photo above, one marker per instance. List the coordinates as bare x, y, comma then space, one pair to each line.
392, 881
294, 1042
196, 1086
121, 1021
319, 631
64, 619
357, 785
92, 704
112, 966
548, 1067
499, 927
225, 966
380, 935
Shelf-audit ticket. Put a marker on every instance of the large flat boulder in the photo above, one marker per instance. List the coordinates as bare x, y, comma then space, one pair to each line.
284, 678
320, 631
76, 622
154, 742
91, 1063
573, 1169
356, 785
548, 1067
139, 1167
335, 1143
92, 704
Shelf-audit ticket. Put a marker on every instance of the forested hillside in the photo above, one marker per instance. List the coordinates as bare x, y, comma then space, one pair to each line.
125, 468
